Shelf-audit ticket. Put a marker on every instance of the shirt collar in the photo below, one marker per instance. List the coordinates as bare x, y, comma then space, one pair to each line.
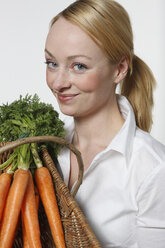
123, 141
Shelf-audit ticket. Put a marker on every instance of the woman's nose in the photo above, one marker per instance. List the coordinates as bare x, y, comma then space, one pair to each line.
61, 80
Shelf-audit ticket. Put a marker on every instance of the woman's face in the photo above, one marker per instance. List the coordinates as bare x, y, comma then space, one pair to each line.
78, 73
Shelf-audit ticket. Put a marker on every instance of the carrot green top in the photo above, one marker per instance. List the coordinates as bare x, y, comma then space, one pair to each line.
28, 117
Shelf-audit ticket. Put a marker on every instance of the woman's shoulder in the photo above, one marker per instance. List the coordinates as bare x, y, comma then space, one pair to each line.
148, 148
147, 161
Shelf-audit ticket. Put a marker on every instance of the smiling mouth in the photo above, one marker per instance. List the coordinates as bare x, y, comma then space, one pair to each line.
66, 97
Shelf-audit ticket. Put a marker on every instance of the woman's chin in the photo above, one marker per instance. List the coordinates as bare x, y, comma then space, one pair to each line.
69, 112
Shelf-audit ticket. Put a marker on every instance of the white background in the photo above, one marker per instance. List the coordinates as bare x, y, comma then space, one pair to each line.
23, 29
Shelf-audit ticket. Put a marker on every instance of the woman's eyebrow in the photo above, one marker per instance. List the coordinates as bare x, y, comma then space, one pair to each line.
78, 56
69, 57
51, 55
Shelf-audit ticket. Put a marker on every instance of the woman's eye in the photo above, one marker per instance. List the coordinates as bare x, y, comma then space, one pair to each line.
79, 67
51, 65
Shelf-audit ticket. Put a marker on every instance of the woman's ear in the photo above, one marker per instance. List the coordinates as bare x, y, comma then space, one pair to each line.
121, 70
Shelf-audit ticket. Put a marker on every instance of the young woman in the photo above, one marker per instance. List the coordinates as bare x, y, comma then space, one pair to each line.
89, 51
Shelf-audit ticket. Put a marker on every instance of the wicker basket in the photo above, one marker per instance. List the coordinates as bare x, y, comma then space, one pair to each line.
77, 231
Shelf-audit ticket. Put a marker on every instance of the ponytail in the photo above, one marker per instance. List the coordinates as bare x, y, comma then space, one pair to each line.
138, 88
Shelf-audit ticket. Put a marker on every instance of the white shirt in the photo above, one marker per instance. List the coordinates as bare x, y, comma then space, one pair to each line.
123, 190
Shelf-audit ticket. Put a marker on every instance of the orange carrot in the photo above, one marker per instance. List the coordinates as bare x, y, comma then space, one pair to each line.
13, 208
25, 238
5, 181
46, 191
30, 215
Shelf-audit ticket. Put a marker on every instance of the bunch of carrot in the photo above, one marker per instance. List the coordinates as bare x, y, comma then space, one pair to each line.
18, 197
22, 118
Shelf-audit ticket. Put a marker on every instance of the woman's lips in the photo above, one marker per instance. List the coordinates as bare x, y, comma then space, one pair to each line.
66, 97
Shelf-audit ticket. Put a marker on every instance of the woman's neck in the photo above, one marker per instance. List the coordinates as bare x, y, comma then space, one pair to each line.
98, 128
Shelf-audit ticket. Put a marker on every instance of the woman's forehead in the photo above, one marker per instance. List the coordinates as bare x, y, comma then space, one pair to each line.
71, 39
63, 29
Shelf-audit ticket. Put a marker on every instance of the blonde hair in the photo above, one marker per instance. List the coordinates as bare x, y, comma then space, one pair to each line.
108, 22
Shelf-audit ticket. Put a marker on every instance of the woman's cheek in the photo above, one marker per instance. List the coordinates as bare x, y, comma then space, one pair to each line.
89, 83
49, 79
